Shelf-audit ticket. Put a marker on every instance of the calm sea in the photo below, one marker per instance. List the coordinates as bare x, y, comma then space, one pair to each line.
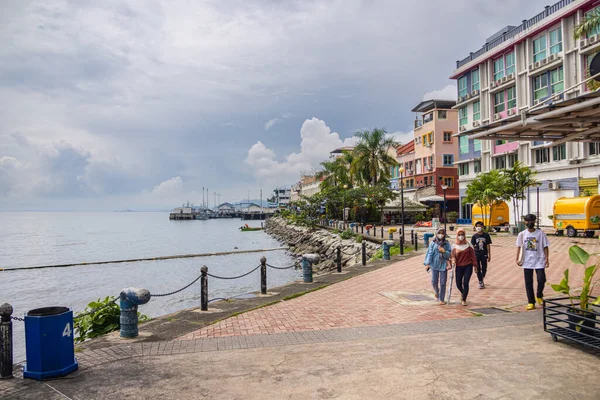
38, 238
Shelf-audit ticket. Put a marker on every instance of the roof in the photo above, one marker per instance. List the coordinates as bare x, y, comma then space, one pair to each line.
429, 105
407, 148
341, 149
573, 120
226, 204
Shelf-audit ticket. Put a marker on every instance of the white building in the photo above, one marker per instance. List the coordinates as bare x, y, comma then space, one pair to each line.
521, 97
283, 195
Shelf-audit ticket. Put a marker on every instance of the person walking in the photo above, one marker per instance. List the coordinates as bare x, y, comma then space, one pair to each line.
532, 255
436, 260
481, 241
464, 261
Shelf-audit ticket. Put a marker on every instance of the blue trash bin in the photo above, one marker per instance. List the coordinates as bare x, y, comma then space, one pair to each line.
49, 343
426, 238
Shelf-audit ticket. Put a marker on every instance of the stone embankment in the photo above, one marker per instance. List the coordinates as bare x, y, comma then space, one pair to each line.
303, 240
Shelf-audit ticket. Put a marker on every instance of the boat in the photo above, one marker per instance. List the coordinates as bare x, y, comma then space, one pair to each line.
247, 228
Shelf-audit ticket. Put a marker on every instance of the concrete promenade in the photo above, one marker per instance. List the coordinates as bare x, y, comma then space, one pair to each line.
379, 335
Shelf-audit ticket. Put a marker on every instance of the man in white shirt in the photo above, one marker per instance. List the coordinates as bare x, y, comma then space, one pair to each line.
532, 255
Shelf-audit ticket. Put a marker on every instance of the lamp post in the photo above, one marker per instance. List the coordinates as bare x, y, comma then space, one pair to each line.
444, 187
401, 170
344, 206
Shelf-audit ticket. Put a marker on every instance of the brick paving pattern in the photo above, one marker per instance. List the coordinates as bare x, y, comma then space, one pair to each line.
359, 302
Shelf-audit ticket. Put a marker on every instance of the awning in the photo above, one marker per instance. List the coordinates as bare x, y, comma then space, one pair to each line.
466, 161
504, 153
572, 120
432, 198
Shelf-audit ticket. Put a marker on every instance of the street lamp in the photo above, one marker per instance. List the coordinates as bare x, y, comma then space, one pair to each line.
444, 187
401, 170
344, 206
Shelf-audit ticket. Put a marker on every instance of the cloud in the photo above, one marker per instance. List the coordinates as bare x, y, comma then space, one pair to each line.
446, 93
169, 187
270, 123
316, 142
403, 137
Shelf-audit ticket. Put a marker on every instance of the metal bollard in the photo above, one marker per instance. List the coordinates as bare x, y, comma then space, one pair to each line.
402, 245
382, 232
307, 262
412, 237
416, 243
263, 275
364, 253
339, 259
387, 244
6, 342
362, 228
204, 288
130, 299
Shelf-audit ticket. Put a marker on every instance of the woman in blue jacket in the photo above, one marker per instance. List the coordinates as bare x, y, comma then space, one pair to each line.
436, 259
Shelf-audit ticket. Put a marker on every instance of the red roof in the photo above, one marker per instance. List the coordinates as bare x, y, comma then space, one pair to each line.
407, 148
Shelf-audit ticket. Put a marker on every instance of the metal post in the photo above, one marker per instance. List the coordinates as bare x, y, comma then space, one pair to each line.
263, 275
382, 232
131, 298
416, 241
386, 250
402, 245
364, 253
204, 289
445, 230
6, 342
339, 259
362, 228
412, 237
538, 207
307, 262
402, 210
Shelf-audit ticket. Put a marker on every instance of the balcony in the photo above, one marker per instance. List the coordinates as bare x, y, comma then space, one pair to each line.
515, 31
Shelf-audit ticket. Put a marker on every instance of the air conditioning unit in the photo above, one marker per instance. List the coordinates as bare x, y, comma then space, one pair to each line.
583, 43
574, 161
511, 76
467, 96
536, 102
409, 171
496, 117
552, 57
460, 99
510, 112
428, 168
531, 67
462, 129
553, 185
499, 82
544, 61
474, 93
504, 79
493, 84
476, 124
593, 39
537, 65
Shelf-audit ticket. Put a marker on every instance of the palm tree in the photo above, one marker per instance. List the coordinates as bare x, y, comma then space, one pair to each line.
371, 161
520, 178
487, 190
337, 172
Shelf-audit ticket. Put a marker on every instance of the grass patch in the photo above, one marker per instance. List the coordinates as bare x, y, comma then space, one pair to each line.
394, 251
476, 314
295, 295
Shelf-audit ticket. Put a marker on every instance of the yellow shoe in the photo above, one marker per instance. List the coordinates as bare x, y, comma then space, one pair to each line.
530, 306
540, 300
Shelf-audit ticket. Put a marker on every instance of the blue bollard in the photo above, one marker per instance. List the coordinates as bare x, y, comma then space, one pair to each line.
387, 244
307, 262
130, 299
426, 238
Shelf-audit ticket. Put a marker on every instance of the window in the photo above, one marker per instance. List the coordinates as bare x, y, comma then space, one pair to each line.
511, 97
477, 166
447, 137
442, 114
555, 41
477, 145
448, 160
448, 181
595, 29
559, 152
463, 169
427, 117
540, 86
431, 161
510, 63
462, 86
500, 162
542, 155
416, 141
512, 159
499, 142
424, 140
499, 69
425, 181
557, 80
594, 148
430, 137
425, 161
463, 142
475, 79
476, 111
499, 102
462, 115
539, 49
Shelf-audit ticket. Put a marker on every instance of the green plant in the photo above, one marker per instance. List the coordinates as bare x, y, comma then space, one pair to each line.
347, 234
452, 216
419, 217
359, 238
580, 257
586, 193
101, 322
550, 216
394, 251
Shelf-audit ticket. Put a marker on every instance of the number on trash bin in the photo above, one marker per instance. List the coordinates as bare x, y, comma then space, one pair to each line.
67, 330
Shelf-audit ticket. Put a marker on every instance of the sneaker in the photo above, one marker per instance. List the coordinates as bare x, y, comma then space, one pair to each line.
464, 302
530, 306
480, 285
441, 303
540, 300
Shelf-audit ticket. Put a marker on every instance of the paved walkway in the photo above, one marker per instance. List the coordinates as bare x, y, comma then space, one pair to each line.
379, 298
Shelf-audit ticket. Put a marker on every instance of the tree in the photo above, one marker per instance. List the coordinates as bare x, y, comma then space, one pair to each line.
487, 190
371, 162
337, 172
519, 178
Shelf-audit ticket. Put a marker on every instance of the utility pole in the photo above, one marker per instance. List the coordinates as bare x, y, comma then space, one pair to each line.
215, 200
202, 196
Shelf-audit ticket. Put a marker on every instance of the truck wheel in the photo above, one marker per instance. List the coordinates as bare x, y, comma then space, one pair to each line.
590, 234
560, 232
571, 232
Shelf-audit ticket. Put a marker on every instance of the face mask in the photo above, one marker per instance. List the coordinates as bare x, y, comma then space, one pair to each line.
530, 224
479, 229
440, 236
461, 238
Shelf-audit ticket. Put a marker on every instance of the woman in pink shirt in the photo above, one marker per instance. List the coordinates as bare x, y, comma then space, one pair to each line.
463, 258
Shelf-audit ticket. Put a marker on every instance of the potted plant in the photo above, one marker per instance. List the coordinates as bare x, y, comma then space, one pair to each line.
582, 311
452, 216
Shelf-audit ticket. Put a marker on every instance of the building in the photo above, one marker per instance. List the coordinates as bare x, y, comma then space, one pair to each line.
435, 151
307, 186
283, 195
405, 156
339, 152
226, 208
523, 96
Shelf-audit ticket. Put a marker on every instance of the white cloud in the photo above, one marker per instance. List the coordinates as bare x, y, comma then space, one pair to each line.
270, 123
447, 93
403, 137
316, 142
173, 186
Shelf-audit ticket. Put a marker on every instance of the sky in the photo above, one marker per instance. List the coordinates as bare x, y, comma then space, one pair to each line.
145, 104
